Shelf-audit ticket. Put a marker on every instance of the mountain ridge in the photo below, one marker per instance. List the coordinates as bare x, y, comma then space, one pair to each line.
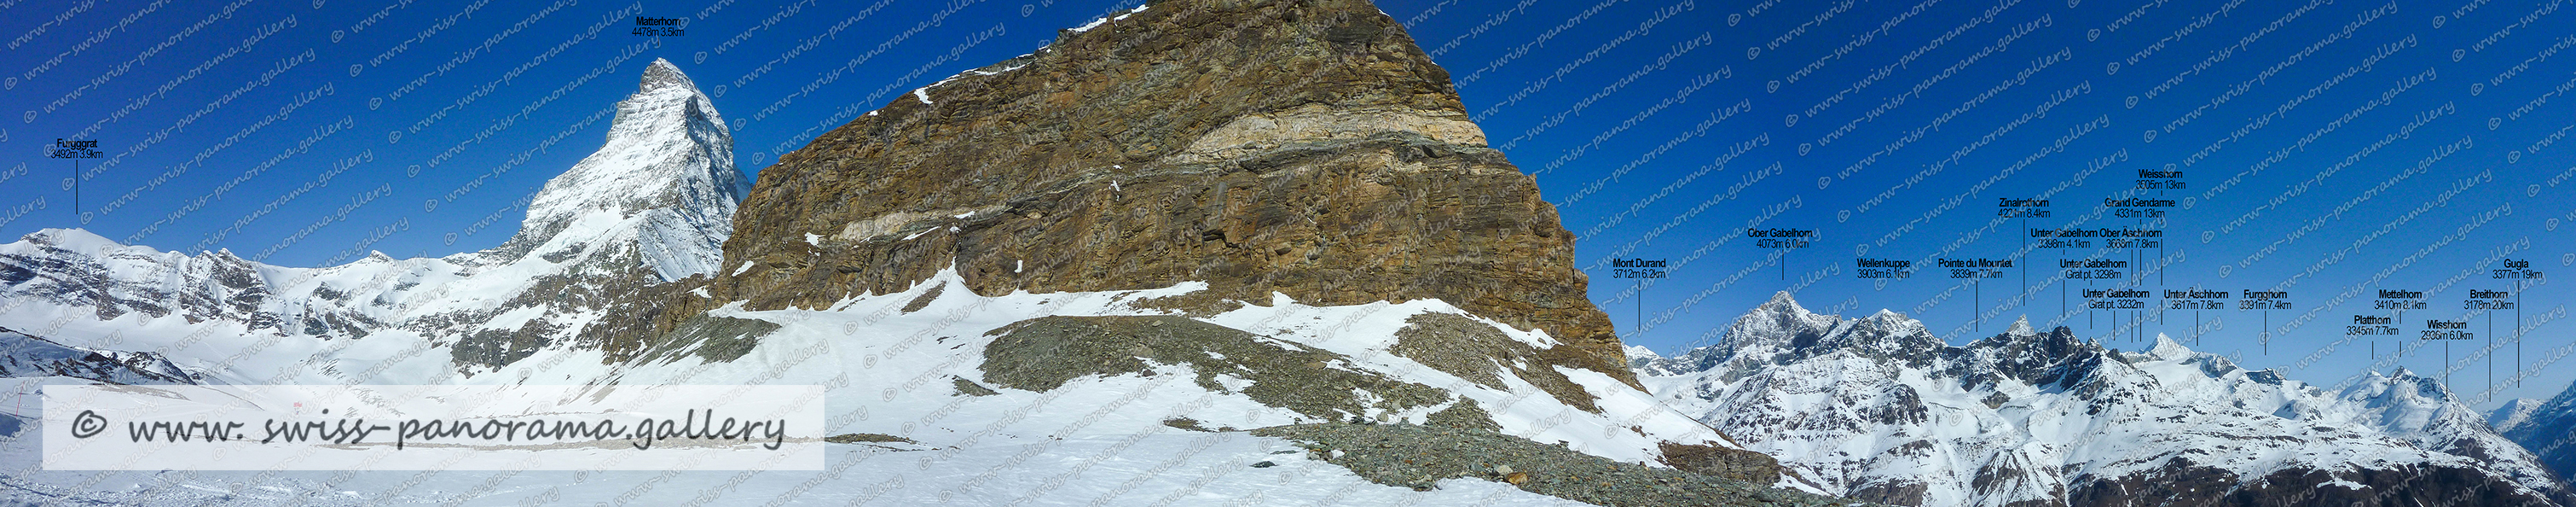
2028, 417
2544, 427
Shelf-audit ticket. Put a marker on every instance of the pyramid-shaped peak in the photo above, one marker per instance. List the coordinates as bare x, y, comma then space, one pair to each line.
2168, 349
667, 154
663, 74
2021, 326
1778, 322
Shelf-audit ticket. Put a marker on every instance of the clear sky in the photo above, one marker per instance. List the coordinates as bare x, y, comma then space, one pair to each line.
2328, 150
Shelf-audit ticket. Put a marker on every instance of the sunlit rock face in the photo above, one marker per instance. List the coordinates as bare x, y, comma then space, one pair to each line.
1303, 148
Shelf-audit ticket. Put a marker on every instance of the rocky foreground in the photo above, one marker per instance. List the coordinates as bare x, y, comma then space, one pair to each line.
1420, 456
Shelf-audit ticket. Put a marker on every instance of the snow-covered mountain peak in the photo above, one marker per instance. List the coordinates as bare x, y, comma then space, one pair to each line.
79, 240
1892, 321
2038, 347
1882, 335
2021, 326
666, 174
2514, 413
1782, 302
1639, 355
2168, 349
663, 74
1779, 322
2403, 386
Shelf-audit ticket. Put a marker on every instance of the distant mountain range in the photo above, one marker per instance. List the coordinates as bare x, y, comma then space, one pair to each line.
1878, 409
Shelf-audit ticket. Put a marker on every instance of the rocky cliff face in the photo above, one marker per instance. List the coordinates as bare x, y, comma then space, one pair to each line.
1307, 148
1878, 409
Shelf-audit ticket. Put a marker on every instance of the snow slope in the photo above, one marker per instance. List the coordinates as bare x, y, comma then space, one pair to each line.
1164, 467
893, 364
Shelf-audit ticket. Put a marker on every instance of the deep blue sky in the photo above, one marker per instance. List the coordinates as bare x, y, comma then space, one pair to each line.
1621, 108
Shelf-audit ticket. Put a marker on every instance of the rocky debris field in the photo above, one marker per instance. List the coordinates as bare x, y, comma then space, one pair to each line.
1419, 456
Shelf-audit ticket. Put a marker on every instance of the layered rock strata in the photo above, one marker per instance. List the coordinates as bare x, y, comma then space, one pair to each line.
1306, 148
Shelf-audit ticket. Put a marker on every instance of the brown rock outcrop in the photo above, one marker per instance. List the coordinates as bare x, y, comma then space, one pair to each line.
1304, 147
1738, 464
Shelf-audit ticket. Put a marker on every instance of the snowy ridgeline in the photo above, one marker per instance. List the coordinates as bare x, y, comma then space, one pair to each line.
1878, 409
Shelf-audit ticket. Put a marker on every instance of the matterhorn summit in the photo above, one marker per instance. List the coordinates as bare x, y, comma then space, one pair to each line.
668, 165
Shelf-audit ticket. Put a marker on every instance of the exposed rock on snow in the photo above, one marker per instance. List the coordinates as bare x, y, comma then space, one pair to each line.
1428, 457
